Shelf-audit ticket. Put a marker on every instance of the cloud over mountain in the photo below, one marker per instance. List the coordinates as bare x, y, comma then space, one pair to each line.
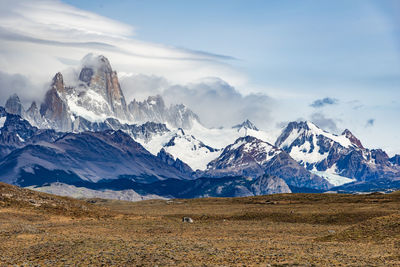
319, 103
54, 34
214, 100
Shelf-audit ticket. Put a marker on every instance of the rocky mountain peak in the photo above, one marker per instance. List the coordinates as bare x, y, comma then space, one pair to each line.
245, 125
58, 83
54, 108
354, 140
14, 106
33, 106
97, 75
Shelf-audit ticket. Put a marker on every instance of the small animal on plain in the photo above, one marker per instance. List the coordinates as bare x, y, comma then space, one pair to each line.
187, 220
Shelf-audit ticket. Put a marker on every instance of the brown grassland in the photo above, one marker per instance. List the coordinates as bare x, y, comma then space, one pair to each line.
38, 229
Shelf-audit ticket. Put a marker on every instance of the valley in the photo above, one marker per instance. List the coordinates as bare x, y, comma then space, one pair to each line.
273, 230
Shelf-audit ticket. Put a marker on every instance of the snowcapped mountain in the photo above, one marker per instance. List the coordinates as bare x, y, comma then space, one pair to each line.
252, 157
86, 134
94, 97
184, 147
338, 158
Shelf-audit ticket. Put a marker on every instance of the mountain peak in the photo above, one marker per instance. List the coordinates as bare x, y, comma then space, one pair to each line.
245, 125
354, 140
98, 76
58, 83
96, 62
13, 105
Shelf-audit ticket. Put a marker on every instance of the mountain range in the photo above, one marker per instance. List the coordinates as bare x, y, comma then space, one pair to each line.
86, 135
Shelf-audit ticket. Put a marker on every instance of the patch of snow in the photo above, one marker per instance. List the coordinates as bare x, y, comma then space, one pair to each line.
303, 154
341, 139
97, 103
2, 121
20, 138
332, 177
192, 152
186, 147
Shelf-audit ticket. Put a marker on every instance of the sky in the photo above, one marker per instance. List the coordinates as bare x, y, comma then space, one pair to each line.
336, 63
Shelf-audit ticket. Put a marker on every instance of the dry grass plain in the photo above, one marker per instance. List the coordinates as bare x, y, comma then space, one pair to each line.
275, 230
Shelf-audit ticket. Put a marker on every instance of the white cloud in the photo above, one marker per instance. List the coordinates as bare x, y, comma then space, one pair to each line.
214, 100
40, 38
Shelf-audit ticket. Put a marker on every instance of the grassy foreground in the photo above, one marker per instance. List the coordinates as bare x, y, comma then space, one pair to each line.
274, 230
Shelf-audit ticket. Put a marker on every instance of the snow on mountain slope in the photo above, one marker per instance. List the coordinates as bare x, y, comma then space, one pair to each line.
332, 177
183, 146
245, 156
190, 147
308, 144
252, 157
220, 138
338, 158
2, 121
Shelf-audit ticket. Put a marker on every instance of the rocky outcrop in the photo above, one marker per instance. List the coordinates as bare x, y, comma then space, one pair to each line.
266, 185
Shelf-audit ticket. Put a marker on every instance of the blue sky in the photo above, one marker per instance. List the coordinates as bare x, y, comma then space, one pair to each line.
277, 42
291, 50
287, 54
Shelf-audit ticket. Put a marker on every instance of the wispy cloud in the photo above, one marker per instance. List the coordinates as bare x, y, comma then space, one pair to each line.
319, 103
324, 122
43, 31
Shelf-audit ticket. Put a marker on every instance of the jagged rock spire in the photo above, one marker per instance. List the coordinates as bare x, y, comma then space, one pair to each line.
55, 108
14, 106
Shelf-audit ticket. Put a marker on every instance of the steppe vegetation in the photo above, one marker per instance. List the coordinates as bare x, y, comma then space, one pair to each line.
274, 230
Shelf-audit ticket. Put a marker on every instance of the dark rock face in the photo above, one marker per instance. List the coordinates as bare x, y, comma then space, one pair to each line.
14, 106
55, 109
395, 160
178, 164
251, 157
354, 140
